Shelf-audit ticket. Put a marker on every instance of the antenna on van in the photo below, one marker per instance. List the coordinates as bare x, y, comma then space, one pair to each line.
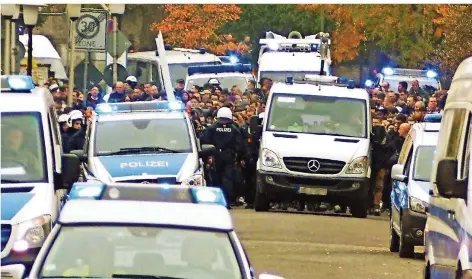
165, 68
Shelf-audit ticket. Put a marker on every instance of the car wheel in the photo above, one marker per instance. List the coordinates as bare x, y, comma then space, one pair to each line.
394, 240
406, 249
261, 200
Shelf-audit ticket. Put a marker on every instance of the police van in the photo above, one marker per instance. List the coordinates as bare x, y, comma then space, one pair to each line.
34, 172
226, 76
411, 185
448, 232
428, 79
143, 142
315, 144
146, 65
281, 57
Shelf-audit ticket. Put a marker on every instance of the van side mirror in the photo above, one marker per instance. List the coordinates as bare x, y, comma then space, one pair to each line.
397, 173
14, 271
446, 180
206, 150
70, 170
81, 154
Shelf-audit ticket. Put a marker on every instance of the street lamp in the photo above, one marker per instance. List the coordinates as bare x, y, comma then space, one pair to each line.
8, 10
73, 13
30, 17
115, 10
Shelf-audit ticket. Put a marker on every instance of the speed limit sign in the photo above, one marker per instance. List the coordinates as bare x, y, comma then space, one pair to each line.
91, 31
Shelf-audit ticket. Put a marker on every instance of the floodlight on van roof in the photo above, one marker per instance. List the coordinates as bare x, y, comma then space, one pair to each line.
17, 83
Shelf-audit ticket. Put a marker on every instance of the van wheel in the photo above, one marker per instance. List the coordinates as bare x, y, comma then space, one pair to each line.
427, 272
359, 210
406, 249
394, 240
261, 200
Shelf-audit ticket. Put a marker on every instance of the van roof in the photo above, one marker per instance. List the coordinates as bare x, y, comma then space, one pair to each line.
425, 133
461, 85
39, 99
326, 90
290, 62
176, 57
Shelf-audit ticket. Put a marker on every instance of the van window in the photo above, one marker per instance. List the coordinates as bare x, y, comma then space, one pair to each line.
423, 163
456, 119
406, 148
139, 70
466, 150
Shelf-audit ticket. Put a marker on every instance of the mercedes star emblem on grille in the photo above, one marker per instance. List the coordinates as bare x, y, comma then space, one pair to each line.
313, 165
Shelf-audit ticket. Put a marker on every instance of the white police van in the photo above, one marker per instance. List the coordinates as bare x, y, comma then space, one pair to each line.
226, 76
281, 57
411, 185
34, 172
428, 79
145, 142
146, 65
448, 232
315, 144
143, 231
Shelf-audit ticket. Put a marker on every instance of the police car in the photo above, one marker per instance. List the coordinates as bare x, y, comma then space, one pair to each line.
146, 65
411, 185
142, 231
34, 172
428, 79
226, 76
330, 124
143, 142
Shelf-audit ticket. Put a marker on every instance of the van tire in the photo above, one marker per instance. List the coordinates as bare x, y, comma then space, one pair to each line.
359, 210
406, 249
394, 240
261, 200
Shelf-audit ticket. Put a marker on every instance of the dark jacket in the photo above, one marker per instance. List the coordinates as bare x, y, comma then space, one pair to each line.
90, 102
116, 97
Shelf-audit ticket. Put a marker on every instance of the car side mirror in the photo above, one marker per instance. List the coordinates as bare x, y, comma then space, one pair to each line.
80, 154
206, 150
397, 173
269, 276
14, 271
70, 170
446, 180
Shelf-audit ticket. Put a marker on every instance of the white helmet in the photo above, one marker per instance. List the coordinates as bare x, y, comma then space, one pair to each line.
75, 115
224, 112
131, 79
63, 118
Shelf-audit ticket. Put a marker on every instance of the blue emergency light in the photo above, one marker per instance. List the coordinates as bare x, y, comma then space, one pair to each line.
17, 83
368, 83
431, 74
146, 106
351, 84
289, 80
216, 69
147, 192
387, 71
433, 118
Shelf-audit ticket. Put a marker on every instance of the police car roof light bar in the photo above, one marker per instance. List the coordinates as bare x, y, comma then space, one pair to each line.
17, 83
409, 72
433, 118
145, 106
148, 192
217, 69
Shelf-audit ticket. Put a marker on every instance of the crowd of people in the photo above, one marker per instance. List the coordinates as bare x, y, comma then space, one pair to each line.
393, 112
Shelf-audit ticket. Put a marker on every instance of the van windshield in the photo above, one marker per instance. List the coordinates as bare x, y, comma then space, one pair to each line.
22, 150
424, 163
179, 70
224, 82
318, 115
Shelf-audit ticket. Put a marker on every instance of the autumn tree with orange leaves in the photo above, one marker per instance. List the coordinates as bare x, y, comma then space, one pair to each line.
196, 26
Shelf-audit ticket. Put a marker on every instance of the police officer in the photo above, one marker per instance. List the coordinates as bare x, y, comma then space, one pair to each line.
77, 133
132, 82
227, 139
64, 125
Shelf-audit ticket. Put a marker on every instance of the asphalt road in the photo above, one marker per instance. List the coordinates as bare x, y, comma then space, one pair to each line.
309, 246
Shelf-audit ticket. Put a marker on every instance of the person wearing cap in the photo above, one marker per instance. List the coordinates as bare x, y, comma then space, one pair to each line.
230, 149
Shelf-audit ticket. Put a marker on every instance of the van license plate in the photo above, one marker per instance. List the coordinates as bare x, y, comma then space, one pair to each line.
313, 191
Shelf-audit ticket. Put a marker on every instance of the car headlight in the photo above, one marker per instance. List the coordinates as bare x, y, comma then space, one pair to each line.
194, 180
418, 205
34, 231
270, 159
358, 166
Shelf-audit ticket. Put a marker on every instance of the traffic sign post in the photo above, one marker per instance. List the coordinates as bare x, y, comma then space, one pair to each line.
91, 30
122, 74
87, 75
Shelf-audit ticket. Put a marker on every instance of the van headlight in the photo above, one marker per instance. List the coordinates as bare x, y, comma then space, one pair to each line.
359, 165
270, 159
194, 180
418, 205
32, 233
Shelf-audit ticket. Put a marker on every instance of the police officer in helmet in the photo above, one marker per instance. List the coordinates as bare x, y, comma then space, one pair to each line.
132, 82
228, 141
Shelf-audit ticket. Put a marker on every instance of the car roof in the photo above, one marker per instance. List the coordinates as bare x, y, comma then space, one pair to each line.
140, 115
214, 75
37, 100
314, 90
425, 133
204, 216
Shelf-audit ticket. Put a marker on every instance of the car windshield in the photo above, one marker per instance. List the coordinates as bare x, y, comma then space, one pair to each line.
104, 251
224, 82
22, 149
430, 85
424, 163
180, 71
317, 115
282, 76
136, 134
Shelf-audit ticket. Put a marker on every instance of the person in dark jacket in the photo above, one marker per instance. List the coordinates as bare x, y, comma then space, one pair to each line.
94, 98
119, 95
379, 148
